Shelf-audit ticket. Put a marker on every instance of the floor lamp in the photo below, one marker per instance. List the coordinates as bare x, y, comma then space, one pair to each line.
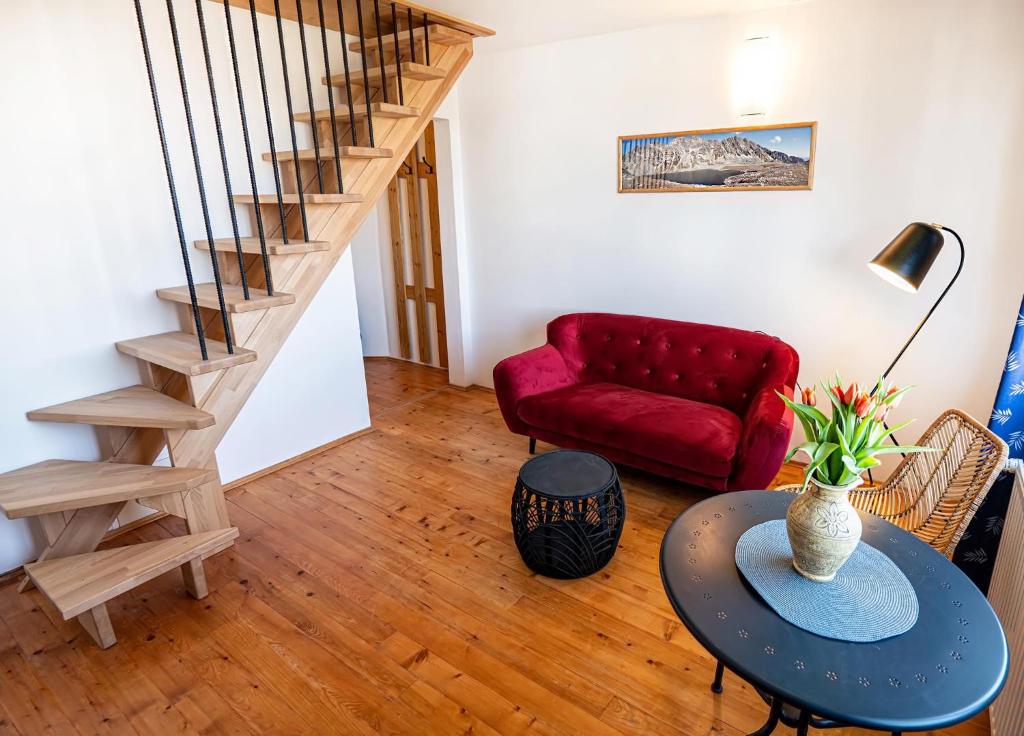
905, 263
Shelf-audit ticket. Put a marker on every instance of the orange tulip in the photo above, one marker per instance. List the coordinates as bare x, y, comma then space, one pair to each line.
890, 392
882, 414
862, 405
809, 397
847, 397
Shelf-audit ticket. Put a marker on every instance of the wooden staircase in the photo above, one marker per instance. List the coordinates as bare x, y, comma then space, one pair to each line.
187, 403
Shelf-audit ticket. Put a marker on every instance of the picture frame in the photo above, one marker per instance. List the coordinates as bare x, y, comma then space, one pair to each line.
777, 157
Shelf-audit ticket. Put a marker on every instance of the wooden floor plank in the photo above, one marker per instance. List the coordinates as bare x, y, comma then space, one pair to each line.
375, 588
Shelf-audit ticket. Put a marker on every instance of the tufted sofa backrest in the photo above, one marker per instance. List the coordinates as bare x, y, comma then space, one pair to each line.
714, 365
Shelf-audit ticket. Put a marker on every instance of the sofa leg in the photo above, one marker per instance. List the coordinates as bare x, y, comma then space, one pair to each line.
533, 446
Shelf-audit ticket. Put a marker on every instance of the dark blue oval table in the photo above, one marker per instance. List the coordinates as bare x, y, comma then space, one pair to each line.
947, 668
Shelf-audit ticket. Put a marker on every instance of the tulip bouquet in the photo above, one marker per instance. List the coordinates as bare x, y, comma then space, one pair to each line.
843, 446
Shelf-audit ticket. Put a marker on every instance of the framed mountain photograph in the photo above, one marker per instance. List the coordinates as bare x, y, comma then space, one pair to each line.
769, 157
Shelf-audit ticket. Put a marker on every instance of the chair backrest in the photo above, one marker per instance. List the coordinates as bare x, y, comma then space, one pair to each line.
714, 365
935, 495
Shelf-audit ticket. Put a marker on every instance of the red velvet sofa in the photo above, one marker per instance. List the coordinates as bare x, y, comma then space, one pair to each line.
691, 402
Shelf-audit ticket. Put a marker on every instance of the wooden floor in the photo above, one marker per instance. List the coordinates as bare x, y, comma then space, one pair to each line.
375, 588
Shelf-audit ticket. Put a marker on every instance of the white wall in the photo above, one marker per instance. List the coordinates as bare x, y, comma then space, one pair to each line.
921, 107
367, 249
89, 235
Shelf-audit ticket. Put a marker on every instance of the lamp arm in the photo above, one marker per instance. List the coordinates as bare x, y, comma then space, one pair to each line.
935, 306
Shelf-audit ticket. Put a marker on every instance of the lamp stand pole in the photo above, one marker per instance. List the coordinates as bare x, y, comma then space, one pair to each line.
927, 316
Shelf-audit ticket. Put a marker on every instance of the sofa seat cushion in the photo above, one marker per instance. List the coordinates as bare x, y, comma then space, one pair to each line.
669, 429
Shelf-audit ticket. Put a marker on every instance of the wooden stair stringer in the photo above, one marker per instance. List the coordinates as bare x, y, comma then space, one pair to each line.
224, 393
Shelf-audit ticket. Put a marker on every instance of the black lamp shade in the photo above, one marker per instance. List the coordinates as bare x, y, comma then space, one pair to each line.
907, 259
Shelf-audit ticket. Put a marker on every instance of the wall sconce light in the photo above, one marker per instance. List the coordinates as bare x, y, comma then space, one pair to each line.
756, 77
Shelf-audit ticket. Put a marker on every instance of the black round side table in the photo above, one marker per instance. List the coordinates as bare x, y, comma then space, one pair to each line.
567, 513
948, 667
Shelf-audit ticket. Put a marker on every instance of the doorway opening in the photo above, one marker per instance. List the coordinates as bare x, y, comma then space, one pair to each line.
404, 257
417, 273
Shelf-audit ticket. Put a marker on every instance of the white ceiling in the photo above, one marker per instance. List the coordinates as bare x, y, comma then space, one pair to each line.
528, 22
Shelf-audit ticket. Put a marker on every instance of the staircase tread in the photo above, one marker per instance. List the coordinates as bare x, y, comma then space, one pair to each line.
275, 246
327, 152
179, 351
80, 582
63, 485
234, 297
441, 35
309, 197
410, 70
380, 109
135, 406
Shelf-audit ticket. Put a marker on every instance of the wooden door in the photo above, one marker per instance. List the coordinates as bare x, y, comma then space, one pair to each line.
416, 256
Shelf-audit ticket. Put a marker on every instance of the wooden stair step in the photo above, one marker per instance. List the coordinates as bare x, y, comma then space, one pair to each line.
440, 35
136, 406
275, 246
179, 351
380, 110
410, 70
309, 198
356, 152
234, 297
81, 585
65, 485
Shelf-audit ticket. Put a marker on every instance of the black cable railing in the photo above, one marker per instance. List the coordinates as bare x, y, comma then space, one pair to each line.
366, 74
410, 26
291, 122
200, 332
270, 124
426, 38
320, 148
223, 150
380, 51
348, 76
199, 176
330, 97
309, 99
261, 233
398, 55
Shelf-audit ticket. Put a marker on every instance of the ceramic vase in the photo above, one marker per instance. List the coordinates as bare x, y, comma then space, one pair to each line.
824, 529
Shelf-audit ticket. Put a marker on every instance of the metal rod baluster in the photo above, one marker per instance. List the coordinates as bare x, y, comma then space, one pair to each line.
199, 176
200, 332
223, 151
270, 125
412, 35
309, 98
330, 95
248, 148
348, 77
366, 75
291, 122
380, 51
426, 38
398, 55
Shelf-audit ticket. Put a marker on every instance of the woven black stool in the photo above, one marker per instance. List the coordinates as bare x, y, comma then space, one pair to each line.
567, 513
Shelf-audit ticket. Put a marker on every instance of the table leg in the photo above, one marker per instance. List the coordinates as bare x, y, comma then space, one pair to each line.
773, 719
804, 724
716, 686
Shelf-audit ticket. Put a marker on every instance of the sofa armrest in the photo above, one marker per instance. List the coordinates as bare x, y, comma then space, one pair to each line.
534, 372
767, 428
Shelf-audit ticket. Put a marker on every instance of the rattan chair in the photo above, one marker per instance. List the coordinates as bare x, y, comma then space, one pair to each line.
934, 495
